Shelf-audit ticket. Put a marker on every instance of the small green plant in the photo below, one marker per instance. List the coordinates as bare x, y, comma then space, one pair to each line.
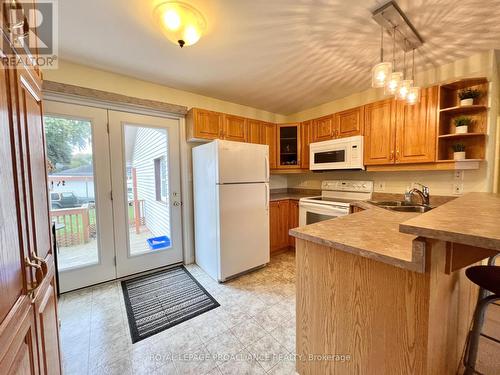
469, 94
458, 147
463, 121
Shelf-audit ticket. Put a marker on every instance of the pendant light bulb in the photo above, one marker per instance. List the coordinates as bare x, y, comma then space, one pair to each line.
413, 96
405, 84
395, 78
381, 71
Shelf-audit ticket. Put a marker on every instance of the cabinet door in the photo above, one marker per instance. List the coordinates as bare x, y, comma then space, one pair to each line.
31, 122
323, 128
235, 128
274, 225
293, 219
349, 123
379, 132
288, 137
45, 307
284, 219
268, 137
416, 128
203, 124
305, 140
18, 351
255, 128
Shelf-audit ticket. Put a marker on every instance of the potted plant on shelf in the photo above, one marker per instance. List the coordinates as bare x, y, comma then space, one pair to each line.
458, 151
467, 96
462, 124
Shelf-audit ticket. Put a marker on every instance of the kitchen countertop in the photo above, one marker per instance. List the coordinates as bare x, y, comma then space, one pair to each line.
473, 219
390, 237
373, 233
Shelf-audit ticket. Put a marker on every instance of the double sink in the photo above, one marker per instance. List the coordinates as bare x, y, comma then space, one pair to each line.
402, 206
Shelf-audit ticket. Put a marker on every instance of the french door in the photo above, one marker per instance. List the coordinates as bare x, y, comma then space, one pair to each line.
114, 186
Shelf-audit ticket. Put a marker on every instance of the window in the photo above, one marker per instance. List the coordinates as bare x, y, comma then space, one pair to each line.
161, 179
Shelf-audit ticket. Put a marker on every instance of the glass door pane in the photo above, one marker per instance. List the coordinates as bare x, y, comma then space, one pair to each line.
145, 170
148, 197
71, 190
79, 188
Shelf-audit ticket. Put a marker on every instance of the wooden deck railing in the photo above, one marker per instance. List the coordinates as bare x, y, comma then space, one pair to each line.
79, 224
76, 225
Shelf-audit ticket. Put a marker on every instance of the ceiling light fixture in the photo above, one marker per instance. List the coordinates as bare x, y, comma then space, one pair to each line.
392, 84
413, 96
381, 71
393, 20
405, 84
181, 23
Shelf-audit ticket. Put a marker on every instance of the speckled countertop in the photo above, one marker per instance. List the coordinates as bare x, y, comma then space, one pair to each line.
388, 236
373, 233
473, 219
294, 194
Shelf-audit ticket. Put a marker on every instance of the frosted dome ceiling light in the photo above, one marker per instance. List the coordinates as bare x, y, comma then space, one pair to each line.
181, 23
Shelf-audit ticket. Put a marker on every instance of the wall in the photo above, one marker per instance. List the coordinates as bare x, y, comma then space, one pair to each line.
79, 75
149, 145
479, 65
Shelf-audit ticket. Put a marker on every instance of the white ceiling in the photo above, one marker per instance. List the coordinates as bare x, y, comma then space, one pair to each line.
281, 55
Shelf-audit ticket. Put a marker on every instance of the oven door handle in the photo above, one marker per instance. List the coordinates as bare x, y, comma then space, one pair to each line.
323, 208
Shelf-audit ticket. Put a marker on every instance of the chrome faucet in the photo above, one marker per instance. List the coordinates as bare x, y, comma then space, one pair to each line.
423, 194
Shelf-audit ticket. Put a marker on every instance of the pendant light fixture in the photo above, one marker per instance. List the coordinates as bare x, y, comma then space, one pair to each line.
394, 21
381, 71
413, 96
395, 78
406, 84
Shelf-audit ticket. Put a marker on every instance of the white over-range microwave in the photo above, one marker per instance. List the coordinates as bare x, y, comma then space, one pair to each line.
342, 153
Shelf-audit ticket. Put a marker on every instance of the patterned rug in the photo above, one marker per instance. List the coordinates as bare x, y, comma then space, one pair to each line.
163, 299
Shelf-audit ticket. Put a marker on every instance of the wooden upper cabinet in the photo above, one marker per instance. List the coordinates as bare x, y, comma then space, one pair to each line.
416, 129
268, 137
255, 129
305, 140
322, 128
349, 123
379, 132
234, 128
203, 124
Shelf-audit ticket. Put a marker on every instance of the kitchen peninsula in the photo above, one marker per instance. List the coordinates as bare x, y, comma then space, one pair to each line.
388, 289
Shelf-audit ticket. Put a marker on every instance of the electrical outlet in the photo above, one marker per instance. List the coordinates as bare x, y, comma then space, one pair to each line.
458, 188
459, 175
379, 185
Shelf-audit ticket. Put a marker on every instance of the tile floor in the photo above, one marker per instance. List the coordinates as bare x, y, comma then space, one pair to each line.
252, 332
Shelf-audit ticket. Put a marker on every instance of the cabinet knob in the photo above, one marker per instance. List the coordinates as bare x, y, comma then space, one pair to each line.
391, 155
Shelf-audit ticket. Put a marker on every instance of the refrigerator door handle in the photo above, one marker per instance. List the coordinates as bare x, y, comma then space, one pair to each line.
267, 196
266, 166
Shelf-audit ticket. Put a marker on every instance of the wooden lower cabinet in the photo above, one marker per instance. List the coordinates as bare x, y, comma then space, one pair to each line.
45, 309
283, 216
293, 219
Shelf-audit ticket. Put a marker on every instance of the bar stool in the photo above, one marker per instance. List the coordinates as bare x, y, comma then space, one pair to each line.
488, 280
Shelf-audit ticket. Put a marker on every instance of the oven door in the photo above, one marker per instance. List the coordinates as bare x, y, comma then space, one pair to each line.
310, 213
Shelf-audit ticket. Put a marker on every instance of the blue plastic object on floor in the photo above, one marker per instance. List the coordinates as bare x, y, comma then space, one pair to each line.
156, 243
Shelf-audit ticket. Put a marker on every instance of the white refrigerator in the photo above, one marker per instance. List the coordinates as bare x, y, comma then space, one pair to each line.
231, 207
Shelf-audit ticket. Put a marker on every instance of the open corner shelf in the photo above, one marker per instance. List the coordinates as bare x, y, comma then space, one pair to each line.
464, 109
464, 135
450, 109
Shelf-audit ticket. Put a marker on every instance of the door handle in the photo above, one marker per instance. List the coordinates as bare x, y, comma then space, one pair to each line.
39, 275
42, 262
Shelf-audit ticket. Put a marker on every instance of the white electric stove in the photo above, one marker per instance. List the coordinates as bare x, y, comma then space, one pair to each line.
335, 199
